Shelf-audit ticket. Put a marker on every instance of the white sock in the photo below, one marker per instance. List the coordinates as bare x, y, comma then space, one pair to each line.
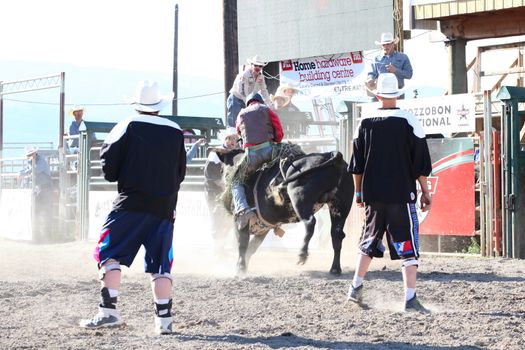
357, 281
113, 293
162, 301
409, 293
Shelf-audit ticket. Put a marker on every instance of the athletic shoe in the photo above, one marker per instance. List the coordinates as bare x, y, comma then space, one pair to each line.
104, 318
413, 305
163, 325
355, 294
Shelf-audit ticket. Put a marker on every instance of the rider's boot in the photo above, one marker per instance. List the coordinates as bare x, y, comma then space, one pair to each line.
244, 217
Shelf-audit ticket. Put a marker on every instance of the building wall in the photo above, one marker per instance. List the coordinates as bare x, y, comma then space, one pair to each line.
288, 29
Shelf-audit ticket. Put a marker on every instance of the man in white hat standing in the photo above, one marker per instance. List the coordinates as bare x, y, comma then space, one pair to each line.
390, 153
145, 154
249, 81
76, 112
390, 61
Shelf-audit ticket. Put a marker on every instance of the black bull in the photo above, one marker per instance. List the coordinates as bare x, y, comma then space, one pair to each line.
309, 182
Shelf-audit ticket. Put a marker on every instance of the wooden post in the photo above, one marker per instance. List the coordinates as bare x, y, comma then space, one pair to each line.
458, 66
231, 51
398, 23
174, 106
62, 100
1, 119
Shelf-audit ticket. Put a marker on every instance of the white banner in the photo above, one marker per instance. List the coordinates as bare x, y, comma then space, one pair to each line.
100, 203
15, 214
438, 115
317, 75
193, 226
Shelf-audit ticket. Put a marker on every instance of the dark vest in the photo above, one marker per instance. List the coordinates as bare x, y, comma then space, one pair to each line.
255, 124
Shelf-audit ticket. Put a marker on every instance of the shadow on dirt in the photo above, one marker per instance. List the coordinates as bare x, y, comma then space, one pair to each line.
395, 275
290, 341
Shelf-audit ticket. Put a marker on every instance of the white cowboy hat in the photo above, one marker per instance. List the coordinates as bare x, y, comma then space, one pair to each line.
30, 150
76, 108
148, 98
257, 61
285, 98
230, 131
387, 38
285, 86
387, 86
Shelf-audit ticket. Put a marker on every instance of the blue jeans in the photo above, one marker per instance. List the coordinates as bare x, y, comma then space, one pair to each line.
234, 106
255, 157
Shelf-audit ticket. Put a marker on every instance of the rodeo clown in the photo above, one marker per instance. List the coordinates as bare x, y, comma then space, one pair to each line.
390, 153
145, 154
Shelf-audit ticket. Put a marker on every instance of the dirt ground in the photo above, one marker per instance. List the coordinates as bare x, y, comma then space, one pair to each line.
476, 303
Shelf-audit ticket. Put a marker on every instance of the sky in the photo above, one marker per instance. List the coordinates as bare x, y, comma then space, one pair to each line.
105, 48
138, 35
122, 35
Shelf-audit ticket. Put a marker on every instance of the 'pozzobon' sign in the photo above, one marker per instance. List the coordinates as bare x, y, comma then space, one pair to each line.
437, 115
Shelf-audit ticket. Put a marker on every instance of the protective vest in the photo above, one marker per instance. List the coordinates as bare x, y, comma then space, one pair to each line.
255, 124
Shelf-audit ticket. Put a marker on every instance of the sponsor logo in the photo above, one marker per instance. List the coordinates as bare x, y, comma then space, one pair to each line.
356, 57
463, 113
286, 65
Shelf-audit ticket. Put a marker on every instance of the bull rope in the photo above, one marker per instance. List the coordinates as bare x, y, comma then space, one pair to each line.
307, 171
236, 174
256, 200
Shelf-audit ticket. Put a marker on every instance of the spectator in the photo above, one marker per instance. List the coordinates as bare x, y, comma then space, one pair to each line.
195, 144
290, 91
390, 61
42, 192
259, 127
279, 102
77, 112
214, 187
390, 153
249, 81
145, 154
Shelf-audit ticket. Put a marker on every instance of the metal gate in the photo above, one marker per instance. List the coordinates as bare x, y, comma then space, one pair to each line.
513, 170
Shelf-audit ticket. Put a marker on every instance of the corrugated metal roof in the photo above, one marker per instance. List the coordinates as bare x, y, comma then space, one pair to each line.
440, 9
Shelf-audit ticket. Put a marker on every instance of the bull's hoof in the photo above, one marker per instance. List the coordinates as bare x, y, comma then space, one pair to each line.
241, 270
302, 259
335, 272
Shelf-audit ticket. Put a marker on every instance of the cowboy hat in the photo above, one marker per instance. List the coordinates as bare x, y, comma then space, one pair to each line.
148, 98
30, 150
230, 131
387, 38
286, 86
257, 61
387, 86
76, 108
285, 98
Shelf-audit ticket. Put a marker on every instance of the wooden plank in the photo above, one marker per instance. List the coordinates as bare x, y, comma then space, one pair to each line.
515, 70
